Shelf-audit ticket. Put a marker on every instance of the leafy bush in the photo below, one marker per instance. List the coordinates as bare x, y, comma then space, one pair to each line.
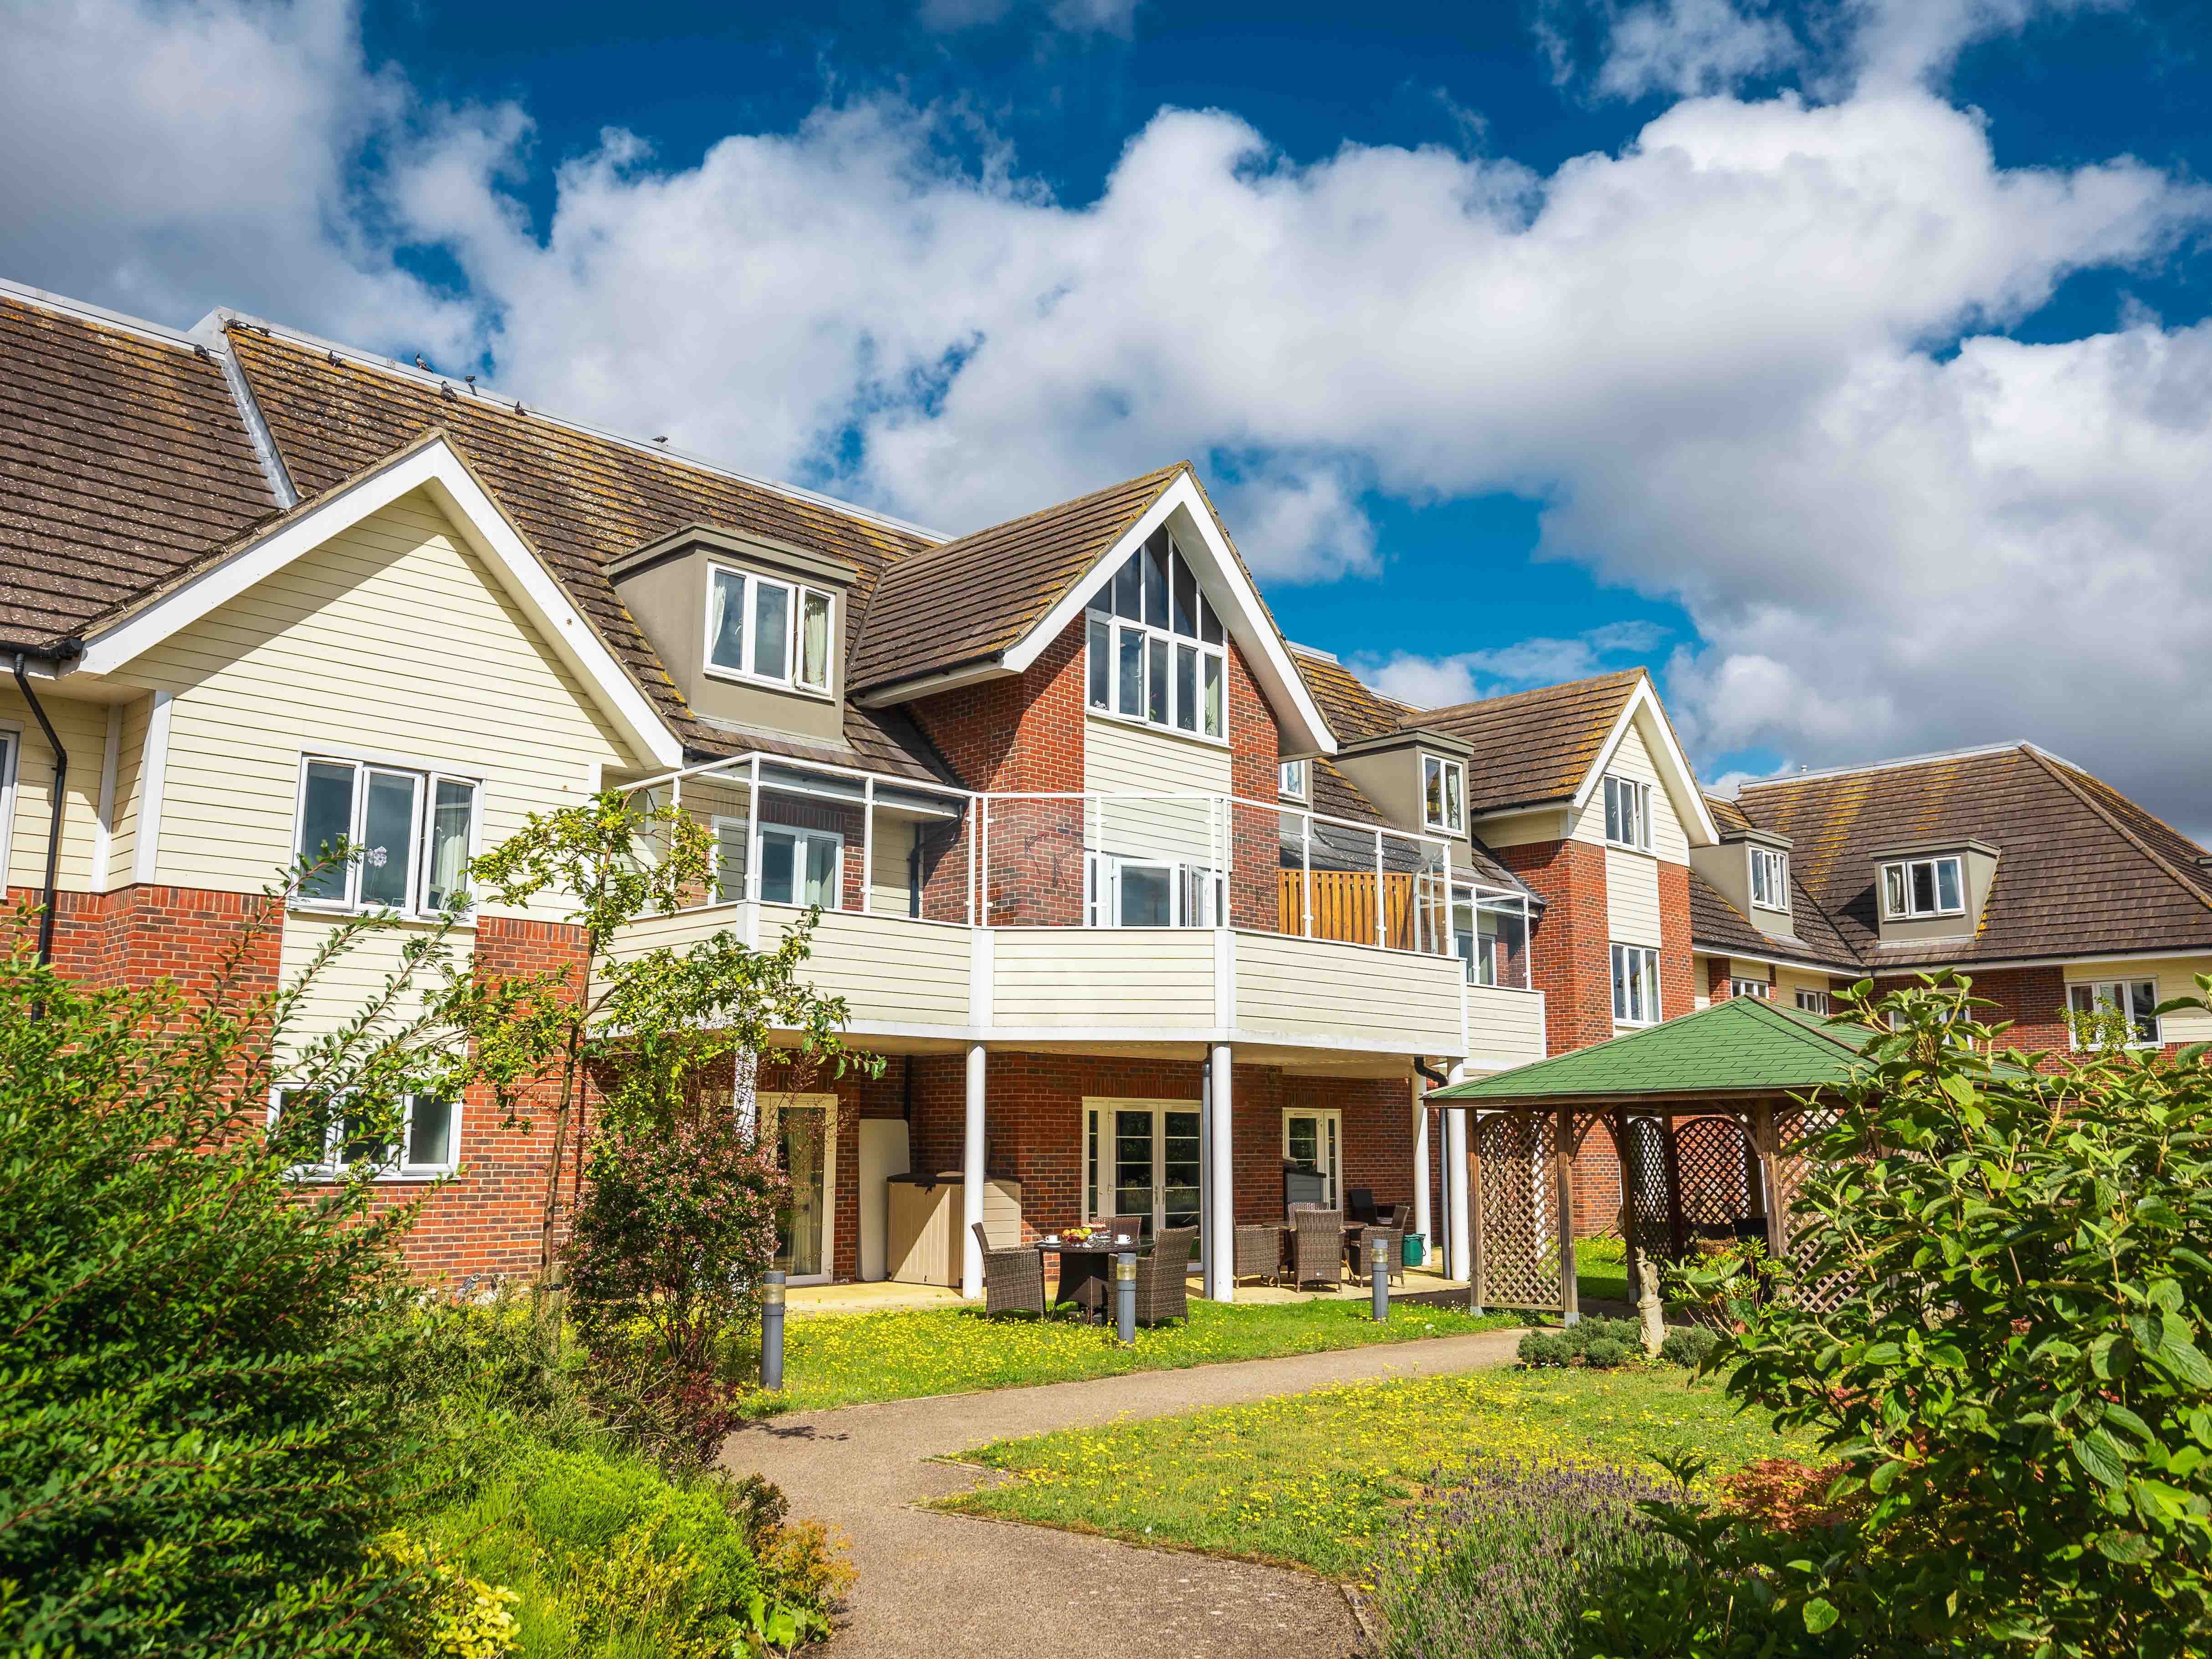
200, 1433
1603, 1354
1689, 1344
1501, 1557
1596, 1329
1613, 1341
2016, 1393
1547, 1348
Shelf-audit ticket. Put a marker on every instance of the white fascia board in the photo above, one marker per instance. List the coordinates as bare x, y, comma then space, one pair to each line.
1280, 682
1682, 781
436, 468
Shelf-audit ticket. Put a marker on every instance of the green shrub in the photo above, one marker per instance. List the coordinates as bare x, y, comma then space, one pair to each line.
1547, 1348
1689, 1346
1623, 1332
1603, 1354
2014, 1379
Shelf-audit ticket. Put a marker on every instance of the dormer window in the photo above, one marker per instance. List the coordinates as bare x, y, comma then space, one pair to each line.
1770, 879
1628, 813
1444, 795
1915, 889
759, 628
1157, 652
1292, 780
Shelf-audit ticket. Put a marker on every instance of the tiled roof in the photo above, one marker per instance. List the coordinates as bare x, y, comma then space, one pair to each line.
125, 461
967, 600
1738, 1046
1533, 746
1727, 815
1718, 925
2080, 872
581, 501
1353, 708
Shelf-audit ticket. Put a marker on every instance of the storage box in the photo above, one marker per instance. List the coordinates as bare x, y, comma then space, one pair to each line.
923, 1246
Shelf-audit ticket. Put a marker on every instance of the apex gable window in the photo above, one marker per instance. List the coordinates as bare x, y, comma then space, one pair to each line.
1770, 879
412, 833
1912, 888
1750, 988
426, 1142
1292, 778
1810, 1001
1156, 647
1444, 795
1635, 985
1628, 813
2134, 1000
760, 628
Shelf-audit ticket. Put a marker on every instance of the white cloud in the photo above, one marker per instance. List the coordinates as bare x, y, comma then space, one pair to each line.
1721, 357
1691, 47
1075, 16
1462, 676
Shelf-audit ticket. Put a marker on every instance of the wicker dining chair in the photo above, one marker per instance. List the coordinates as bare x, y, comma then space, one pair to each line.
1162, 1292
1259, 1253
1013, 1280
1116, 1225
1317, 1247
1394, 1260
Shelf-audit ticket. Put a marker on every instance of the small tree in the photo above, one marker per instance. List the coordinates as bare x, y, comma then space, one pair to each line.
2018, 1395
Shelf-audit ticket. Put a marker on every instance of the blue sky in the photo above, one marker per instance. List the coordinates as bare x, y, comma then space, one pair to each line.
1846, 364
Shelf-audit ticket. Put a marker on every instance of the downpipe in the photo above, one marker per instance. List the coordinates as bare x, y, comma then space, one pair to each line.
70, 650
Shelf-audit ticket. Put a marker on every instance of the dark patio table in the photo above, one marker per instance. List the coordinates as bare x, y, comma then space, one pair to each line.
1086, 1269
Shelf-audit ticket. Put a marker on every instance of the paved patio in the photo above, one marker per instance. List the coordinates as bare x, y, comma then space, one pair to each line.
949, 1585
807, 1301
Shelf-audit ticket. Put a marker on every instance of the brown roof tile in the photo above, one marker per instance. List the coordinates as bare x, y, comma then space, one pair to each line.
124, 461
1533, 746
1353, 708
1718, 925
967, 600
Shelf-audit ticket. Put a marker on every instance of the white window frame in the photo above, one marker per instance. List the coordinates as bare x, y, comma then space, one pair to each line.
1097, 1173
427, 780
1761, 988
1626, 798
800, 835
1100, 618
2108, 992
1328, 1138
1637, 959
1904, 909
793, 629
1810, 1001
330, 1168
1774, 868
1452, 820
1294, 780
1197, 893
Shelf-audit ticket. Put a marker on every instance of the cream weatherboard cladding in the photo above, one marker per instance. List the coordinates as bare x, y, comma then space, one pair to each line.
1631, 896
892, 970
84, 729
392, 642
1373, 998
1632, 758
2175, 977
1075, 977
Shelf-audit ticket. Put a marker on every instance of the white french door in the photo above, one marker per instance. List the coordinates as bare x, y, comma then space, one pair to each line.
1314, 1140
1142, 1157
804, 1130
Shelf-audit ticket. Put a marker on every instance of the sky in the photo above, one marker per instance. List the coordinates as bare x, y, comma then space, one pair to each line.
1847, 364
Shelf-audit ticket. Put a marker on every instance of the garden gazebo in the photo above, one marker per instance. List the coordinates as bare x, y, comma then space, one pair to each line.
1705, 1112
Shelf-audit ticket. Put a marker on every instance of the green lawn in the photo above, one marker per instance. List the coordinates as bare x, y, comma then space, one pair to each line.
1601, 1268
849, 1359
1316, 1480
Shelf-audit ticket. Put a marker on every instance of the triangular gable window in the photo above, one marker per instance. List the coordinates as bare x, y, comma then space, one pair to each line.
1157, 651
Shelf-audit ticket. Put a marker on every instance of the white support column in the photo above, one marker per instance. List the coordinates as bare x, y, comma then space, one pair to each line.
1221, 1172
971, 1179
1460, 1242
1421, 1218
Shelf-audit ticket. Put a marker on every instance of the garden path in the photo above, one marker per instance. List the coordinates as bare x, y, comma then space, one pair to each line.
942, 1585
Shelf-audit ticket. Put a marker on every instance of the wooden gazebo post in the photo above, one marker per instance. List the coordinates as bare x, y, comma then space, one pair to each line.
1562, 1166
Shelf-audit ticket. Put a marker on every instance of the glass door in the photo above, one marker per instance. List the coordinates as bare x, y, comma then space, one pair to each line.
1133, 1144
807, 1149
1176, 1203
1144, 1158
1313, 1141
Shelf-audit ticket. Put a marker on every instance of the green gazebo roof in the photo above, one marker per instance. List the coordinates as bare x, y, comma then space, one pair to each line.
1739, 1046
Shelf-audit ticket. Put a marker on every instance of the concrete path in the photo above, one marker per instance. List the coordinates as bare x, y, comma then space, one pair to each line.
939, 1585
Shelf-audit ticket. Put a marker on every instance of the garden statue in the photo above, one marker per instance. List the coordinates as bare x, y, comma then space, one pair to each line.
1650, 1313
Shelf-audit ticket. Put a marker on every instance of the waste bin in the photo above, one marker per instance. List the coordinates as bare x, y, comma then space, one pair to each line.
1416, 1249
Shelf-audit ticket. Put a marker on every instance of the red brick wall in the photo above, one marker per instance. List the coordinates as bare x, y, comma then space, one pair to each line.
1570, 959
1677, 984
135, 935
1025, 731
1254, 763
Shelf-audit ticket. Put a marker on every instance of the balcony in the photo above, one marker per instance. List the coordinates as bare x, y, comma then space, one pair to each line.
1154, 922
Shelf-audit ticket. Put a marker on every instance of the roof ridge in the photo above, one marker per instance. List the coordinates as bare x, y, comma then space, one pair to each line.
1165, 475
1971, 751
42, 299
1614, 676
2133, 840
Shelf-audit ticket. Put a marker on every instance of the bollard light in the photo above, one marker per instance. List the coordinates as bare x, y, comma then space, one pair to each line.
1378, 1278
772, 1330
1125, 1298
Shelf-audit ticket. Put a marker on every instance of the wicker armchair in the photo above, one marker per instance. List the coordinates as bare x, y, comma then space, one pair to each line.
1162, 1291
1259, 1253
1359, 1206
1317, 1247
1394, 1260
1013, 1280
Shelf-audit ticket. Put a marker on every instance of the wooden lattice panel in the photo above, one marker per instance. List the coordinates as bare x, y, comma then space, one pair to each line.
1794, 1127
1712, 1156
1645, 1178
1520, 1212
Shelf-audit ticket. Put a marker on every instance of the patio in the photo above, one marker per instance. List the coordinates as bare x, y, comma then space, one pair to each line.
1419, 1285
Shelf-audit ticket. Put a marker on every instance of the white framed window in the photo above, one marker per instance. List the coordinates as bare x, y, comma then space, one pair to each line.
1444, 795
1628, 813
1912, 888
1635, 985
2134, 1000
412, 833
428, 1142
1142, 1157
1750, 988
1142, 892
1155, 648
801, 866
762, 628
1810, 1001
1293, 779
1770, 879
1314, 1141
